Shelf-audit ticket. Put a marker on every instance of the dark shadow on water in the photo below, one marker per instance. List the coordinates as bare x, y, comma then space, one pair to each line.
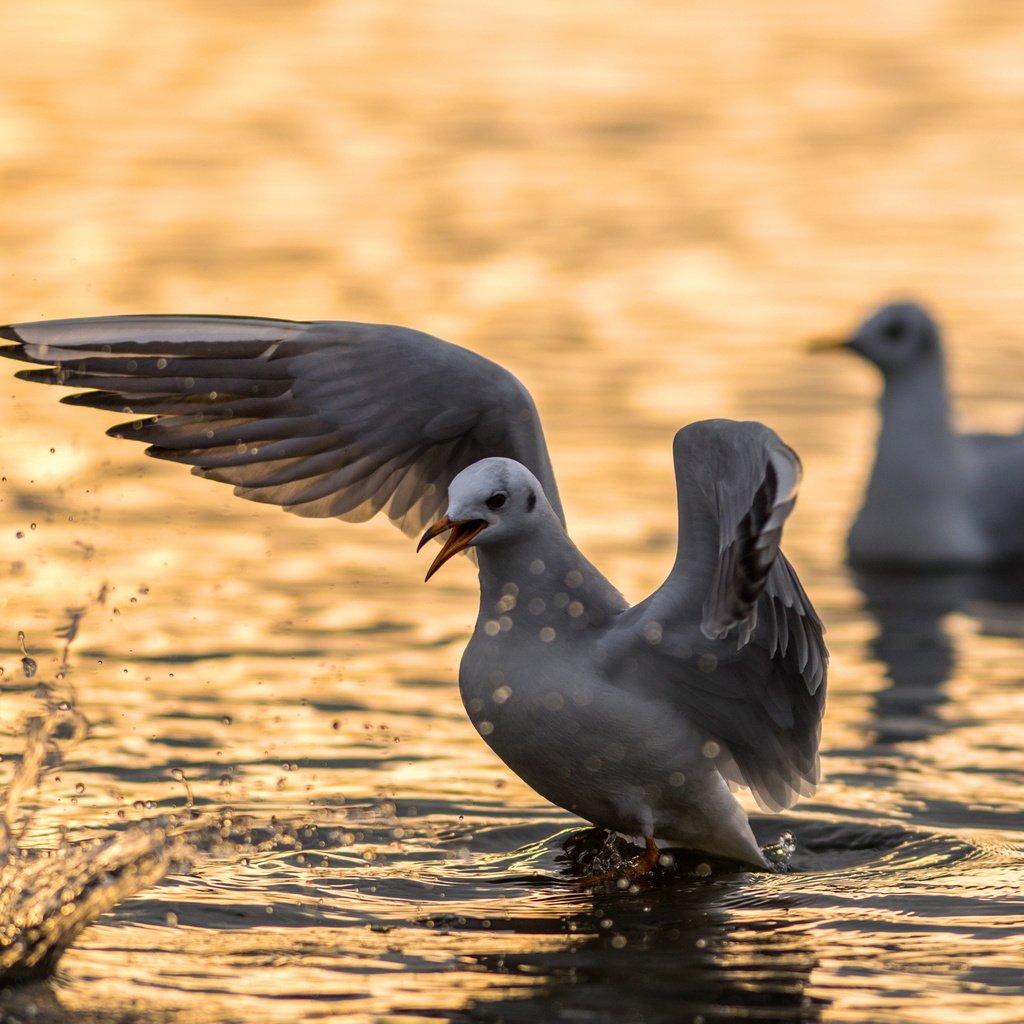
671, 950
725, 944
675, 958
703, 939
914, 643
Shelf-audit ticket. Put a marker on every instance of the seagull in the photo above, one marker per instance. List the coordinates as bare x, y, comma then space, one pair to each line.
935, 498
640, 719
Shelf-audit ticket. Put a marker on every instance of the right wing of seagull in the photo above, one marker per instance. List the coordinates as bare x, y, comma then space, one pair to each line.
731, 631
322, 418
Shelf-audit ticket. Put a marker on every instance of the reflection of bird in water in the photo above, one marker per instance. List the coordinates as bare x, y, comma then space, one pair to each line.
935, 497
914, 644
698, 952
635, 718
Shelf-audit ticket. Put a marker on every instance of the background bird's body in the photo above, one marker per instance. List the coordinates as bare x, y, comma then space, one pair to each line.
935, 498
918, 504
994, 464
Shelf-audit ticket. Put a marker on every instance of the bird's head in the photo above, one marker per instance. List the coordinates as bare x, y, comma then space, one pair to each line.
895, 338
489, 503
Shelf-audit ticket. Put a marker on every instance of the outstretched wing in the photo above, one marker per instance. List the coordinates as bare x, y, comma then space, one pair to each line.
731, 636
322, 418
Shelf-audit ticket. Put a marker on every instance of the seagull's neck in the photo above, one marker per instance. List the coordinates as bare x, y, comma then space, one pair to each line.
919, 395
916, 505
543, 579
915, 435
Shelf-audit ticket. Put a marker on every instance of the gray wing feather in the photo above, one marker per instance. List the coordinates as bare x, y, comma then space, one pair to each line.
731, 639
748, 551
323, 418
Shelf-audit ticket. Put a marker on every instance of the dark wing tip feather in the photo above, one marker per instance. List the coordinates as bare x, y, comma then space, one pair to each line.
747, 557
18, 352
49, 375
799, 633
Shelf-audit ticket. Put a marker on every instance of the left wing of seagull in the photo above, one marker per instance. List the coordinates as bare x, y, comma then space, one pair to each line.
324, 418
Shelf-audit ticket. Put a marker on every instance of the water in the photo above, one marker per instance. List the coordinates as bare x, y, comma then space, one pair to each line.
642, 211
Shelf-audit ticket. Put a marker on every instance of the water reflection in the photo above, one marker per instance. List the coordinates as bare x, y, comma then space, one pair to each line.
914, 642
675, 954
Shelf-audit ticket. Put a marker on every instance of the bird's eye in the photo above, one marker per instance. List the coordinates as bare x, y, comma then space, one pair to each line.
496, 500
895, 330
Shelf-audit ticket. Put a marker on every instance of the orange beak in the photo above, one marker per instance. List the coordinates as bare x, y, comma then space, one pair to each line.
827, 344
461, 534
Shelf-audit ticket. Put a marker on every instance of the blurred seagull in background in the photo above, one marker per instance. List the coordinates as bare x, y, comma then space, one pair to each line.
935, 498
638, 718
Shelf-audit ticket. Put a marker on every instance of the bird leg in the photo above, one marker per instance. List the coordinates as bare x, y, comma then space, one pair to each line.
643, 866
647, 861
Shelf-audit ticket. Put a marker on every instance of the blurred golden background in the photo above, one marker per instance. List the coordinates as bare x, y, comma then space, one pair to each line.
643, 209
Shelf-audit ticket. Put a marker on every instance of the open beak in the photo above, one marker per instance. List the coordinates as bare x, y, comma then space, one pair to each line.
827, 344
461, 534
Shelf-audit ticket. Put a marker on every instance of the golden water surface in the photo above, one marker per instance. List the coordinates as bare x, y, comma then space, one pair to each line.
642, 209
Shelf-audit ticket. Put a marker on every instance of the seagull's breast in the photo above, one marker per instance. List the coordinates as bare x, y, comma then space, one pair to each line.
528, 677
549, 710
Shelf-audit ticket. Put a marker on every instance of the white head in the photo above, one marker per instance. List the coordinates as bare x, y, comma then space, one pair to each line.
490, 502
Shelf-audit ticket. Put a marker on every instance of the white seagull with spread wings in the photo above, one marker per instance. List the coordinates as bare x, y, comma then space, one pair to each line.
637, 718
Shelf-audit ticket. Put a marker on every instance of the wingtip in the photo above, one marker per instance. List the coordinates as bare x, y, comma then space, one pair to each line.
47, 375
126, 431
788, 470
18, 352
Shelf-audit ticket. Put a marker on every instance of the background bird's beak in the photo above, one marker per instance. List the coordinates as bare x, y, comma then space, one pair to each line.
827, 344
461, 534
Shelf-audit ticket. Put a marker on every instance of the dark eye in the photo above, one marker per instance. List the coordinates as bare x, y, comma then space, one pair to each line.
894, 330
496, 500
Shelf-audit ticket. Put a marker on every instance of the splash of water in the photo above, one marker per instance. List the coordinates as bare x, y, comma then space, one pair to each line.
780, 853
595, 853
48, 896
